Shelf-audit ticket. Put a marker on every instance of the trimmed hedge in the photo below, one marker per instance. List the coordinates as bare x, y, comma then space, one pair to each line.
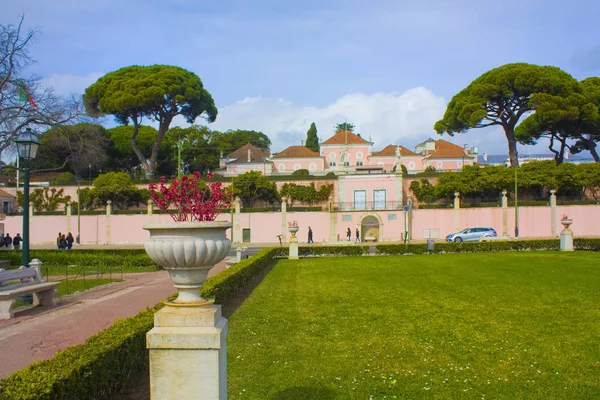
489, 246
90, 258
94, 370
323, 251
111, 358
224, 286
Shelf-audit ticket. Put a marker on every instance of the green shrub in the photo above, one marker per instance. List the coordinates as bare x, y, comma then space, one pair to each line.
64, 178
224, 286
301, 172
471, 247
90, 258
319, 251
94, 370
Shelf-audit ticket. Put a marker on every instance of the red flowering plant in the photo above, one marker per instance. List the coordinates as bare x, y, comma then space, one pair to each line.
190, 198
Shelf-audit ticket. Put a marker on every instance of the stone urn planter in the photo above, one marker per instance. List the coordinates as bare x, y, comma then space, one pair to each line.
293, 230
188, 250
566, 222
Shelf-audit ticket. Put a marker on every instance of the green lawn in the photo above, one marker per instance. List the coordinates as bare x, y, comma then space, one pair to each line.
73, 286
472, 326
100, 270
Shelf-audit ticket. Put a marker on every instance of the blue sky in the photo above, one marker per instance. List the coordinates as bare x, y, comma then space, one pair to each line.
390, 67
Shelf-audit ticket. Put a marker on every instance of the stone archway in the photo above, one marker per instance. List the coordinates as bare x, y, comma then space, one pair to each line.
370, 228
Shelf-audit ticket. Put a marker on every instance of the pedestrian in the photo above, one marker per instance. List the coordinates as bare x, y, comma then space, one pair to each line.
7, 241
2, 240
70, 240
17, 241
58, 240
310, 235
357, 236
348, 234
62, 243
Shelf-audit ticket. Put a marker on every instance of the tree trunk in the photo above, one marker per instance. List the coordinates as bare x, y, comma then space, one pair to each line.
163, 127
136, 149
594, 153
509, 131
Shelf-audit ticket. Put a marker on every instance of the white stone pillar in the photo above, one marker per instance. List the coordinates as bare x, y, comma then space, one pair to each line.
332, 220
188, 353
566, 236
150, 207
457, 211
108, 213
553, 211
237, 229
504, 213
30, 209
68, 212
283, 219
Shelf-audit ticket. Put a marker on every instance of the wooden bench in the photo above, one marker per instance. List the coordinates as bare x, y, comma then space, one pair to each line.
22, 281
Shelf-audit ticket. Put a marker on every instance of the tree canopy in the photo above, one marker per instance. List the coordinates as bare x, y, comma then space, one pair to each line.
157, 92
253, 186
74, 147
344, 127
564, 119
501, 97
312, 140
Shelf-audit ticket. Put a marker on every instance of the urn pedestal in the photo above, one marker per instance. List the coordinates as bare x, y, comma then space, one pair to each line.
188, 344
293, 249
566, 236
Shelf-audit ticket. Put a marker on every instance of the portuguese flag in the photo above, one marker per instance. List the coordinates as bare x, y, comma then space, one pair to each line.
24, 94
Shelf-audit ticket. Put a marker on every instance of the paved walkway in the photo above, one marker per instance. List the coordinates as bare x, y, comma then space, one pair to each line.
38, 333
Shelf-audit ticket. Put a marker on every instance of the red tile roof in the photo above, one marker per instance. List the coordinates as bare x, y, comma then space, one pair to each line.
444, 149
241, 155
346, 137
297, 152
4, 193
390, 151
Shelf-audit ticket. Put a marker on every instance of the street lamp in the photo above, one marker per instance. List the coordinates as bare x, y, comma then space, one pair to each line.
27, 146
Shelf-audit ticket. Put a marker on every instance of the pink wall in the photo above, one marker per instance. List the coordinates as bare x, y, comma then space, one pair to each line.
264, 227
356, 152
238, 169
448, 164
286, 165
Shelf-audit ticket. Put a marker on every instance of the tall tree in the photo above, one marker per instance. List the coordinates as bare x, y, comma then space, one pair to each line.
501, 97
344, 127
157, 92
73, 147
234, 139
312, 140
590, 135
198, 152
124, 159
253, 186
24, 101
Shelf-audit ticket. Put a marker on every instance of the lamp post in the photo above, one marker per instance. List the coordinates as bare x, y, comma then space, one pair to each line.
516, 207
462, 167
27, 145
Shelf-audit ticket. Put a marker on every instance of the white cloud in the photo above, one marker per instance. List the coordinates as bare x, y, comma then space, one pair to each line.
67, 84
385, 117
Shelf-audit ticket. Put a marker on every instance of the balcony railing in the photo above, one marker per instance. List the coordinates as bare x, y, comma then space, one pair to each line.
369, 206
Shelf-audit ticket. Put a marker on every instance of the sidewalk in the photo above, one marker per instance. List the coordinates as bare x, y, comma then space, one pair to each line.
38, 333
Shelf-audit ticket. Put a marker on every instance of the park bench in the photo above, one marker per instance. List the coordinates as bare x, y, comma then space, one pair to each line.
22, 281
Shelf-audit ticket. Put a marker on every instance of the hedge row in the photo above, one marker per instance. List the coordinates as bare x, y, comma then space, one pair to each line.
320, 251
94, 370
90, 258
224, 286
108, 360
489, 246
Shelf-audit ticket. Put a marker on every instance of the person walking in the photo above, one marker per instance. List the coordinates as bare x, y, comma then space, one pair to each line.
58, 240
70, 240
357, 236
310, 235
348, 234
17, 241
7, 241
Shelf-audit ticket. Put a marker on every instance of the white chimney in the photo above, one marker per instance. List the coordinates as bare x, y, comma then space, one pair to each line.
249, 155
